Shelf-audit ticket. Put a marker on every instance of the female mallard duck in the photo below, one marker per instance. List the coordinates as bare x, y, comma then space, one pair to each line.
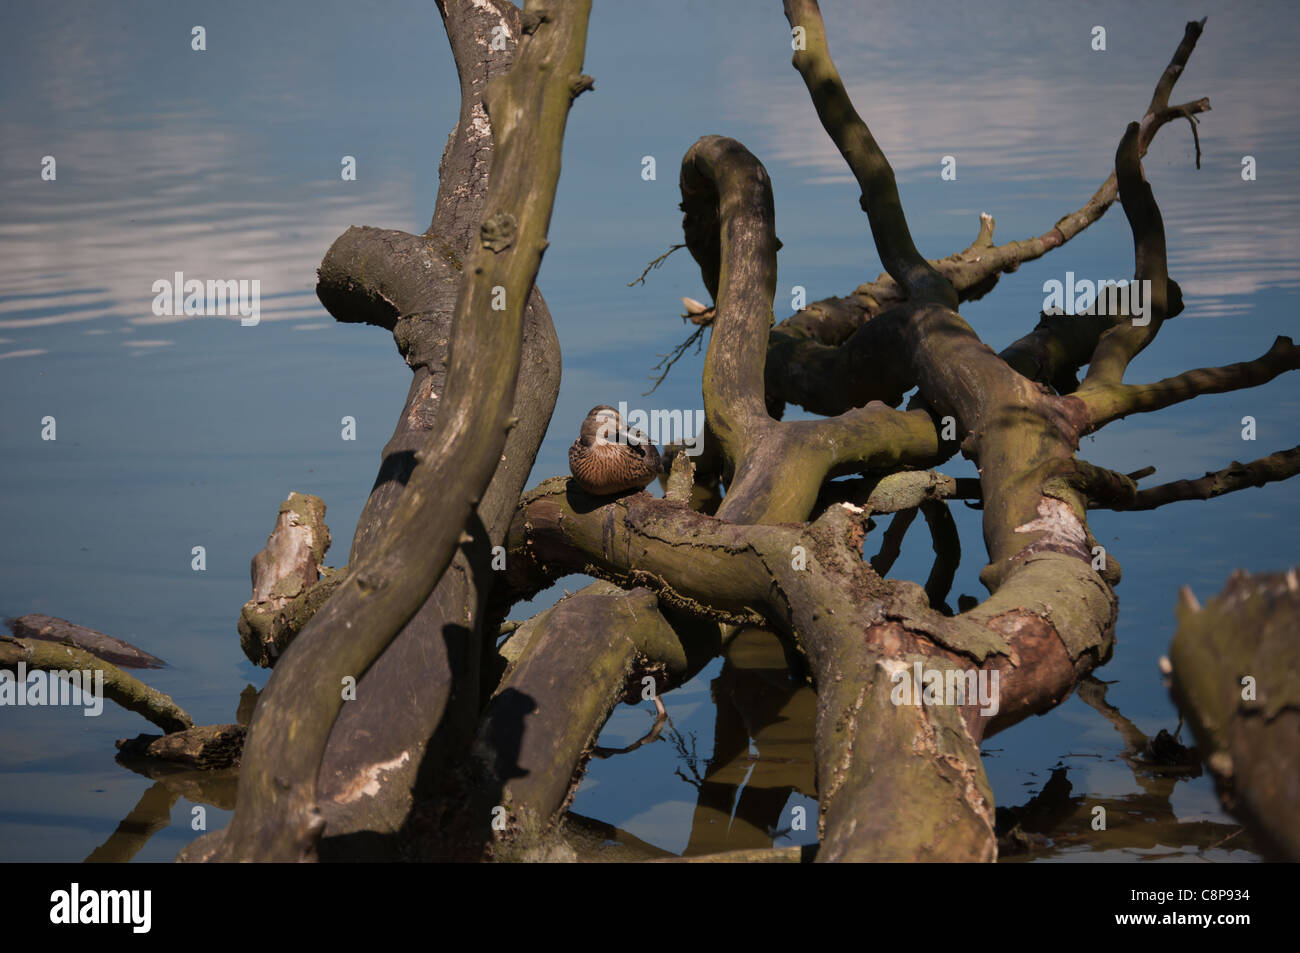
609, 457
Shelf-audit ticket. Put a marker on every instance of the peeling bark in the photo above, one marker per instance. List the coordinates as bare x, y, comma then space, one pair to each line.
287, 580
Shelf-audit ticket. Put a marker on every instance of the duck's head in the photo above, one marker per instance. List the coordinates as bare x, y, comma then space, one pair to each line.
603, 425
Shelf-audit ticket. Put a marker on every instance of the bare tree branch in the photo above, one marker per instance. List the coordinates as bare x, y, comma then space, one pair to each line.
278, 817
1281, 465
918, 278
832, 320
1108, 402
120, 687
1124, 341
728, 223
833, 354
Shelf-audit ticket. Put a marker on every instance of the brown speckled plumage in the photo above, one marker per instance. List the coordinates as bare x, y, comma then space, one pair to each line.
609, 458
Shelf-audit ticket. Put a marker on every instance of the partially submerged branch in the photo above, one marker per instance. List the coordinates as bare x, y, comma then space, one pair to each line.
278, 817
547, 712
370, 775
47, 628
126, 690
205, 748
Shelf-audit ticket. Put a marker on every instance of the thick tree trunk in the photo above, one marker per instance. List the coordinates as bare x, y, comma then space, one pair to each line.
279, 816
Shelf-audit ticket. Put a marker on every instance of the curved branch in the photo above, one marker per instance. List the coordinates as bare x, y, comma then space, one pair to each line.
833, 355
127, 690
1123, 342
778, 468
379, 276
832, 320
1108, 402
728, 222
278, 817
918, 278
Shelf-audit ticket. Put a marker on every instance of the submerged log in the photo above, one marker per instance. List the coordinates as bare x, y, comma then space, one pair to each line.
206, 747
47, 628
544, 718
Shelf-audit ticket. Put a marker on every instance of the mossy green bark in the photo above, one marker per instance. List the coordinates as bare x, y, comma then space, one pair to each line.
1236, 678
278, 816
126, 690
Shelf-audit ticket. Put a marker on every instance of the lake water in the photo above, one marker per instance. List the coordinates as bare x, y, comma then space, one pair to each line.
181, 432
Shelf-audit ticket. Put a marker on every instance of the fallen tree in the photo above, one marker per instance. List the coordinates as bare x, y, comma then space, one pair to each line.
455, 748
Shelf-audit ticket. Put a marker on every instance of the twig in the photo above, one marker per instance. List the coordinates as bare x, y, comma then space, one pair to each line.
655, 264
675, 356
